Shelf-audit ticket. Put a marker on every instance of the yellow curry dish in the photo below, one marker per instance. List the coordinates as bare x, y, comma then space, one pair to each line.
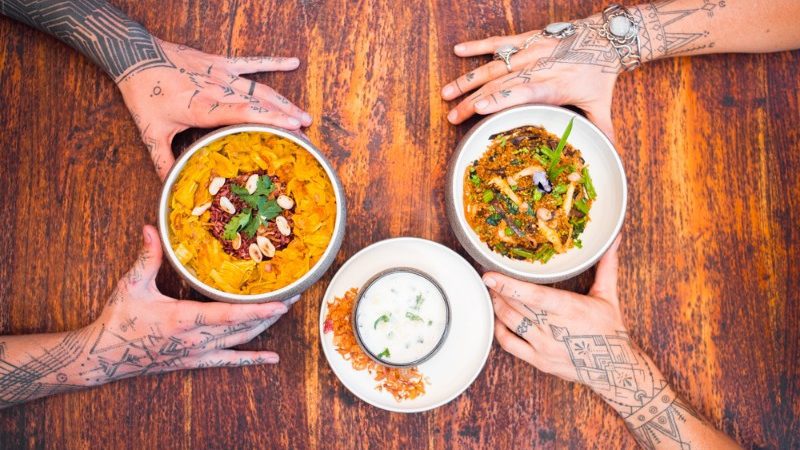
529, 195
251, 213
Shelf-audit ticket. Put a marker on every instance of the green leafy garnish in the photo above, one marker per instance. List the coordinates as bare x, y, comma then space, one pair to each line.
516, 162
503, 141
544, 253
383, 318
553, 157
500, 248
537, 194
269, 210
494, 219
522, 253
385, 354
236, 223
581, 206
264, 186
560, 189
578, 243
586, 180
488, 196
413, 316
578, 225
252, 226
508, 231
418, 302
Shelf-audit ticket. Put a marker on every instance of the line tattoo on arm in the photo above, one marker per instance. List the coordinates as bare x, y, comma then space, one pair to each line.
121, 46
663, 29
613, 368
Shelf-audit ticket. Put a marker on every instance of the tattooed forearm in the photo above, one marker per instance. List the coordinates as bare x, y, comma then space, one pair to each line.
675, 27
631, 384
32, 367
121, 46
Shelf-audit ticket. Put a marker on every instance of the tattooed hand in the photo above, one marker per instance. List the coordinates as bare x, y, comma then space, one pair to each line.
196, 89
582, 338
140, 332
579, 70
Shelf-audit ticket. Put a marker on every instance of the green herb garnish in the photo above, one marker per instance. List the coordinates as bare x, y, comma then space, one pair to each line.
578, 243
537, 194
522, 253
385, 354
418, 302
413, 316
494, 219
236, 223
383, 318
508, 231
488, 196
581, 206
586, 180
560, 189
544, 253
269, 210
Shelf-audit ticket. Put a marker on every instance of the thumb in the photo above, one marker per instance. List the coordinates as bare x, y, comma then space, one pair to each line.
600, 115
605, 279
145, 268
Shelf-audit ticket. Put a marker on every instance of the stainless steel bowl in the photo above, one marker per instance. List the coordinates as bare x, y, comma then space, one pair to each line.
363, 291
299, 285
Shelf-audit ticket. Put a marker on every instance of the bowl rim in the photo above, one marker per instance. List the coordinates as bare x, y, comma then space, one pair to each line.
300, 284
479, 254
368, 284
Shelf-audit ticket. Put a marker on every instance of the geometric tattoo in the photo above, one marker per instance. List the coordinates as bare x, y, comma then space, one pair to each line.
22, 382
610, 366
100, 31
656, 19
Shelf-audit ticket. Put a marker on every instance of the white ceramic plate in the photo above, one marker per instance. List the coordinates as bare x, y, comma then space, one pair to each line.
605, 167
462, 356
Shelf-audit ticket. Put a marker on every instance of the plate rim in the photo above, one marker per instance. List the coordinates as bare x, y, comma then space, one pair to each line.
323, 306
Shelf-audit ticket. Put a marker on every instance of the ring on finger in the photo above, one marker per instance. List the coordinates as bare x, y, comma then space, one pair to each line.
523, 326
504, 54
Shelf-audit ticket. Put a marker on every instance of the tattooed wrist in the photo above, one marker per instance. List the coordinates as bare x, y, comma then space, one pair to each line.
120, 46
672, 28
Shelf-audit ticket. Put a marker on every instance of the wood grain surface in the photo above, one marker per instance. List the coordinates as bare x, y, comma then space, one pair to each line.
710, 260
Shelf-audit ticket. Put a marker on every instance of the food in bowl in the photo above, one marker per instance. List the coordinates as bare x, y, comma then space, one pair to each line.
401, 317
529, 196
402, 383
251, 213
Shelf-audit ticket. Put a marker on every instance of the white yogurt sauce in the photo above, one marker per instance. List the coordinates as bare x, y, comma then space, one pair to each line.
401, 317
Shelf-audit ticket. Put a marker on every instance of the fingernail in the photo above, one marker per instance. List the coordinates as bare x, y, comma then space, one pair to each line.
307, 118
452, 116
490, 282
294, 62
147, 238
482, 104
294, 122
459, 48
272, 359
281, 309
447, 91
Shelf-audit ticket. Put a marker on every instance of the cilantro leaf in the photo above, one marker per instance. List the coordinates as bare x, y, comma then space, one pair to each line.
236, 223
269, 210
252, 226
264, 186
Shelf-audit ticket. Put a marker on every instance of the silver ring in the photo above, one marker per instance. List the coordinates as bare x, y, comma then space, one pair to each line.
504, 54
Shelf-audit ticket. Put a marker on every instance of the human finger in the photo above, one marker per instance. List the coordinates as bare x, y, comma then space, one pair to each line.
514, 344
605, 278
513, 95
545, 298
269, 96
252, 64
516, 321
220, 113
488, 45
213, 313
235, 358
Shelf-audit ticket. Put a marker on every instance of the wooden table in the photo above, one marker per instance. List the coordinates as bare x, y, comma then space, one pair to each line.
710, 261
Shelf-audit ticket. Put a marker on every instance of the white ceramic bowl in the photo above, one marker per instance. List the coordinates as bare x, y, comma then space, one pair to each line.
299, 285
607, 213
